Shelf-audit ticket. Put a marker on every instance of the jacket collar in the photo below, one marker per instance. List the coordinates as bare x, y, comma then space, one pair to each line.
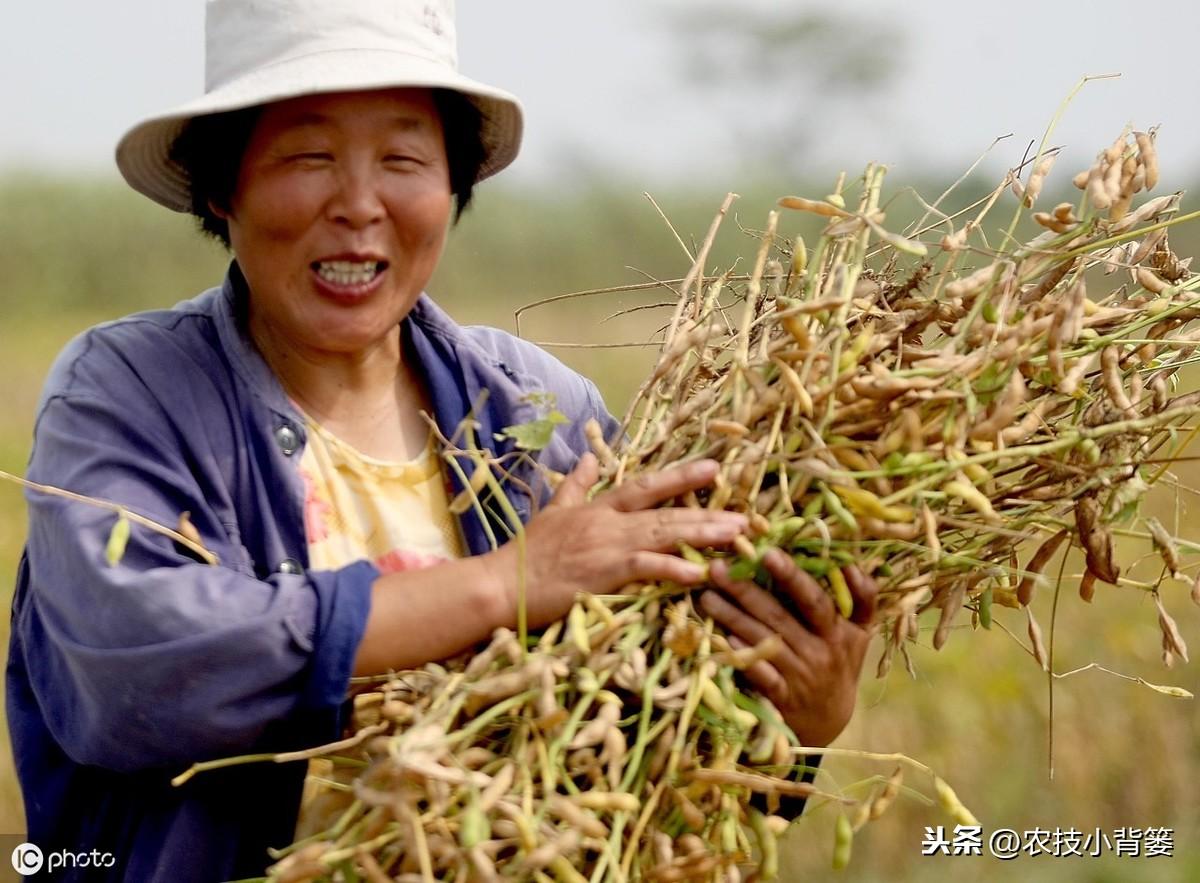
229, 312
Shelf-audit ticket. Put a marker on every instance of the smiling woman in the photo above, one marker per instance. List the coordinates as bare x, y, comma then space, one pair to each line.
338, 219
285, 416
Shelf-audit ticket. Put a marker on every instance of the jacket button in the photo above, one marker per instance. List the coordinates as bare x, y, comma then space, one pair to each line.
290, 565
287, 439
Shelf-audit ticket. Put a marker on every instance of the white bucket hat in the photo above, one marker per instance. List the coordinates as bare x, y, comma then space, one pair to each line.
258, 51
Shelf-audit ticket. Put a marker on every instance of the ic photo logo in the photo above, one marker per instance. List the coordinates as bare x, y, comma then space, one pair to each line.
27, 859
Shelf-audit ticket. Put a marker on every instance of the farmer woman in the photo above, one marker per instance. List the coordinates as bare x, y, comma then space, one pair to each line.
282, 412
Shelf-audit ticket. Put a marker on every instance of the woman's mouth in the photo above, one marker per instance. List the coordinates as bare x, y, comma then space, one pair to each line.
349, 274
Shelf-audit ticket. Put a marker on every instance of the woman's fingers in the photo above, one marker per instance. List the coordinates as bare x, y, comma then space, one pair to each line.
812, 680
646, 566
760, 604
644, 546
641, 526
662, 530
741, 627
652, 488
864, 592
619, 537
574, 487
737, 622
809, 598
762, 674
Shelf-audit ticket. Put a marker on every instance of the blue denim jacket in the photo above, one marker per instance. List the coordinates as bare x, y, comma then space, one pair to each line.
120, 677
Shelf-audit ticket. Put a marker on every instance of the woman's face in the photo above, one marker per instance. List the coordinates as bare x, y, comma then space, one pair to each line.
339, 215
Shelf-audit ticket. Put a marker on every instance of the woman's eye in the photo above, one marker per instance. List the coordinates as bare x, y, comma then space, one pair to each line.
402, 159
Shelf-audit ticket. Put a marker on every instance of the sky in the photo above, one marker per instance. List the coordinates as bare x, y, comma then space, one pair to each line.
605, 85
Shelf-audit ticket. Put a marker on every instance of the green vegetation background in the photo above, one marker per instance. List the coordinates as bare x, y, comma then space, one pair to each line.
74, 252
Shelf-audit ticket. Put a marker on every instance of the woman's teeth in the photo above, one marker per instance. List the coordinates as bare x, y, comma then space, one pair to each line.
347, 272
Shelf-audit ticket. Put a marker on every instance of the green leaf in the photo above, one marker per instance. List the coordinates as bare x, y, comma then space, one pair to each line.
118, 539
536, 434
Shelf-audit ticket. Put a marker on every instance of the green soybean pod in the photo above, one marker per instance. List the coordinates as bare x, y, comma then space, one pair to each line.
473, 825
118, 539
843, 841
768, 847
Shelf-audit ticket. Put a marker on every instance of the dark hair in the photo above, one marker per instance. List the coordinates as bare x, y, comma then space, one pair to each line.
209, 149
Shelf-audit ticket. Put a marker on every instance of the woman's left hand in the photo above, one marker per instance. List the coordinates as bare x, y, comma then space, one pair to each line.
813, 679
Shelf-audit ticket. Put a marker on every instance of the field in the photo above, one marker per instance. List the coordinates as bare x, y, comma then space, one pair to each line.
978, 712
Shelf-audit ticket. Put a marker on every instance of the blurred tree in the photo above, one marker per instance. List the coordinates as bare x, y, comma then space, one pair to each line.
782, 70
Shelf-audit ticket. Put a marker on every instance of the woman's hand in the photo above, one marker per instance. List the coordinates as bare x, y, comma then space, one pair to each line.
575, 545
571, 546
813, 680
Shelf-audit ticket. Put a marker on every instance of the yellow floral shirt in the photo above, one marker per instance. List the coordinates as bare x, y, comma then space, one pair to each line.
394, 514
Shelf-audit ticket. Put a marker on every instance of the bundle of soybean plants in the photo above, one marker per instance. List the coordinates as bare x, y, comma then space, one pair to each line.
945, 409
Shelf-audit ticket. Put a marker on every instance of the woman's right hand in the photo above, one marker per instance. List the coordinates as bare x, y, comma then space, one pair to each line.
575, 545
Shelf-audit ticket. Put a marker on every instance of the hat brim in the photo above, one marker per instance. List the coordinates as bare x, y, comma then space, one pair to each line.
143, 154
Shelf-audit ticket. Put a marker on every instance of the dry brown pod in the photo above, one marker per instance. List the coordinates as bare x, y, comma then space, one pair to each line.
1172, 639
1165, 544
1087, 586
1149, 157
1036, 565
880, 803
1036, 641
1065, 212
1037, 178
950, 608
955, 241
1050, 222
1097, 192
1096, 539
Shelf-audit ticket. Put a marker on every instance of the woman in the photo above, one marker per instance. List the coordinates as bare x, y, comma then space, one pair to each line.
282, 412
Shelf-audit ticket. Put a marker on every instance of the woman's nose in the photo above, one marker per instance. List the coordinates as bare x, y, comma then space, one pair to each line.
357, 201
